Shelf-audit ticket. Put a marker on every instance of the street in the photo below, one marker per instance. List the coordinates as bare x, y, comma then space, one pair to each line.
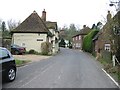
68, 69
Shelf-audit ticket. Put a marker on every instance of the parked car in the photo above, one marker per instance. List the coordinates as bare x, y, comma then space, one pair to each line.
16, 49
7, 65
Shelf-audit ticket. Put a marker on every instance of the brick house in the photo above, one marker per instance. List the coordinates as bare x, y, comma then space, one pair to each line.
105, 39
78, 39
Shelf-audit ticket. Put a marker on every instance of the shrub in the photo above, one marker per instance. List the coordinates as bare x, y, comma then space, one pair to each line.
45, 48
87, 41
62, 43
32, 51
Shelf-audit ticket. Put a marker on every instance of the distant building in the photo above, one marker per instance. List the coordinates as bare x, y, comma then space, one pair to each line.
78, 38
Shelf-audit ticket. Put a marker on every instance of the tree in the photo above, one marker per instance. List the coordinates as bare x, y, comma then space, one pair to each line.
12, 24
93, 26
70, 44
62, 43
3, 26
5, 32
70, 31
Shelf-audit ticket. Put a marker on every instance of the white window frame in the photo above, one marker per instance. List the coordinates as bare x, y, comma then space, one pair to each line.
76, 37
79, 37
107, 47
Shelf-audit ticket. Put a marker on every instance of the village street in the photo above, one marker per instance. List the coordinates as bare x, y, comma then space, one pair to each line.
68, 69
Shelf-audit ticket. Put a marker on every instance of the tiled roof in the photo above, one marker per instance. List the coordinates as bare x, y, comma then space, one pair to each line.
84, 31
32, 24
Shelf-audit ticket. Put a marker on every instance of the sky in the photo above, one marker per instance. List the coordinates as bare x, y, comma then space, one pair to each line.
64, 12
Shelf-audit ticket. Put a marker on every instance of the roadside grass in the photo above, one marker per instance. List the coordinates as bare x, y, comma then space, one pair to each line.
37, 53
113, 71
21, 62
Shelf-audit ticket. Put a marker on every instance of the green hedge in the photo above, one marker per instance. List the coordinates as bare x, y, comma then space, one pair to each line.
87, 41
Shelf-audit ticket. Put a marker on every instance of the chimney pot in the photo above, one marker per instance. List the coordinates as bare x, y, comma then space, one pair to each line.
109, 16
84, 26
44, 15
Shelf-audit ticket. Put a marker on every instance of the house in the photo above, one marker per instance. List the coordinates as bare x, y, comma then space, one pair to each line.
78, 39
52, 26
33, 31
105, 39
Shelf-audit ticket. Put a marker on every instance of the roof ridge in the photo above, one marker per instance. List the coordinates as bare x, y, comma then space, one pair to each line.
33, 23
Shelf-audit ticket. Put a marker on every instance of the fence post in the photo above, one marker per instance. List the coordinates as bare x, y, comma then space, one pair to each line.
113, 59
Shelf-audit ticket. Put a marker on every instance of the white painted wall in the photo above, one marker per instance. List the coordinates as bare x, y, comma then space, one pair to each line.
55, 46
29, 40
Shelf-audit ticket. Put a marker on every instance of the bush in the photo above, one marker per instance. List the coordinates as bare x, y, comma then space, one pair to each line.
32, 51
87, 41
62, 43
45, 48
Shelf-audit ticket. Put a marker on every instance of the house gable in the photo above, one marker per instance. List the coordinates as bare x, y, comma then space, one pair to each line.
32, 24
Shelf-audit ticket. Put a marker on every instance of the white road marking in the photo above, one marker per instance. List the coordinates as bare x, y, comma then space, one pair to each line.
110, 77
47, 67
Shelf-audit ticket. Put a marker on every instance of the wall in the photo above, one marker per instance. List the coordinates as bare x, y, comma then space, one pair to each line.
29, 40
77, 42
55, 46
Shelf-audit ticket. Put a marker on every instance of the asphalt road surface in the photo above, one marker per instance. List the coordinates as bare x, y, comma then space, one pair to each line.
68, 69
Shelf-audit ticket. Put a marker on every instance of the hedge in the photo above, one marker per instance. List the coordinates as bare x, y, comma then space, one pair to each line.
87, 41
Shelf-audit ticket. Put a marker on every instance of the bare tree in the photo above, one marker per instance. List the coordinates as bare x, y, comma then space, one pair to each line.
12, 24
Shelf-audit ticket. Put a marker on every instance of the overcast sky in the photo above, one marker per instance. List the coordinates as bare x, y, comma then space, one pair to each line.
64, 12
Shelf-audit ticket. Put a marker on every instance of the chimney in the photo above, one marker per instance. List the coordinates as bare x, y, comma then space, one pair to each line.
109, 16
84, 26
44, 15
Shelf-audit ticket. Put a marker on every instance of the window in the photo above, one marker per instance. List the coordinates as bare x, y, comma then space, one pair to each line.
79, 37
76, 37
107, 47
39, 39
3, 54
73, 39
77, 44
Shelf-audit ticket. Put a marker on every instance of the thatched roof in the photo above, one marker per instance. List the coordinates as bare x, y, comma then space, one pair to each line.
32, 24
51, 25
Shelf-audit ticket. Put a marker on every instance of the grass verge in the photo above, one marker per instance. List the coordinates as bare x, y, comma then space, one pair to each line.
21, 62
113, 71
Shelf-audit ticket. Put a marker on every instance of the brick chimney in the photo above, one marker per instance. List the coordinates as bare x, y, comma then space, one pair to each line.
44, 15
109, 16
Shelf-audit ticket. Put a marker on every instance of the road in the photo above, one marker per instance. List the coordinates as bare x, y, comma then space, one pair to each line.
68, 69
